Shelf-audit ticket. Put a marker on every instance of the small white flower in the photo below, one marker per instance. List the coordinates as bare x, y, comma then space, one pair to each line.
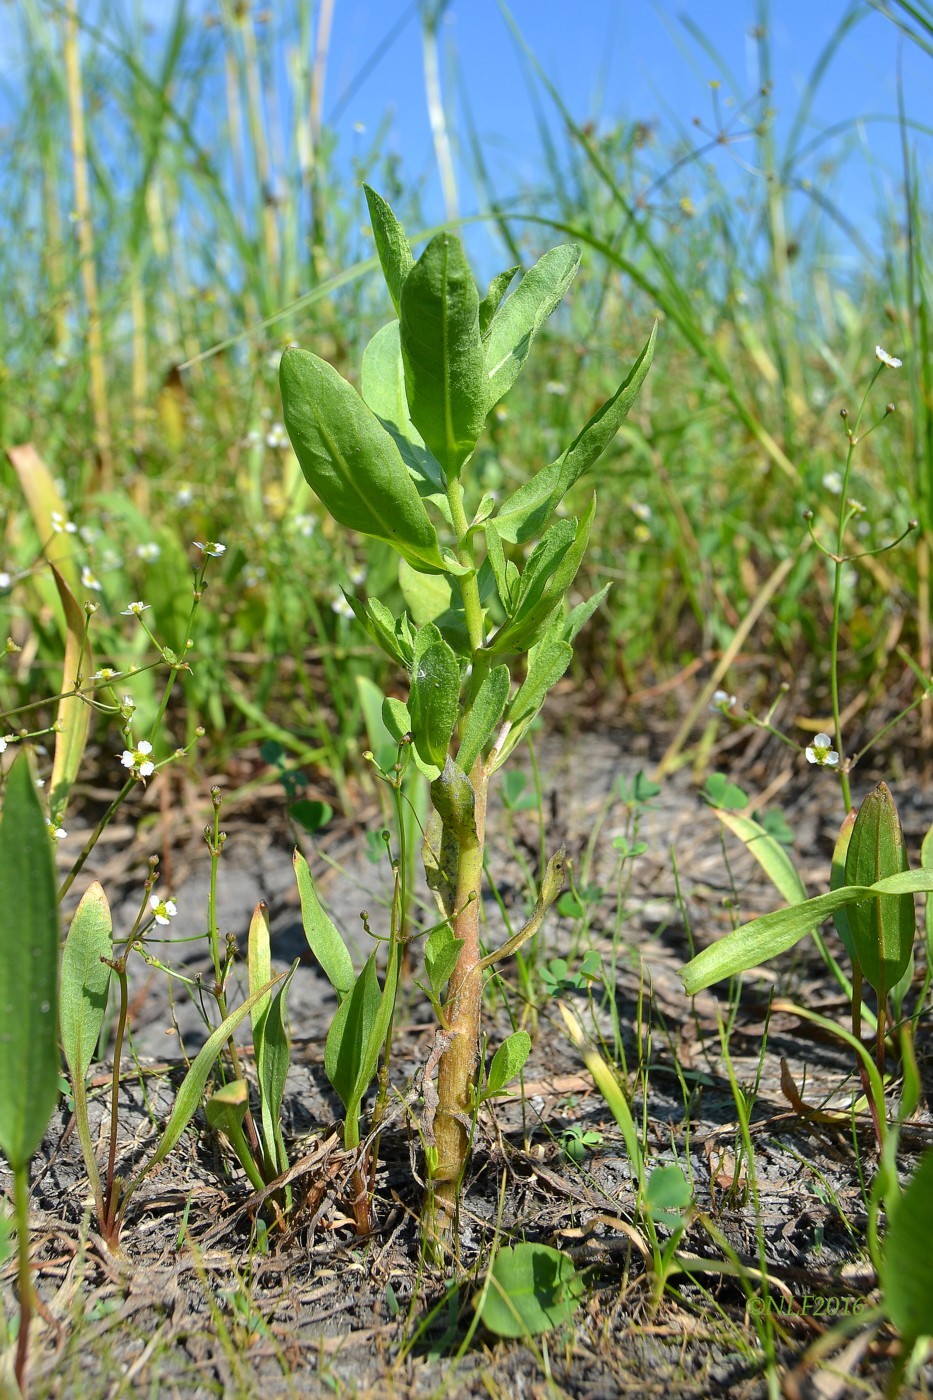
832, 482
106, 673
89, 534
304, 524
184, 496
90, 580
358, 577
55, 831
554, 386
891, 361
59, 524
641, 510
341, 607
213, 548
277, 436
134, 609
253, 574
5, 579
127, 706
2, 745
721, 702
855, 506
138, 759
148, 551
162, 909
822, 752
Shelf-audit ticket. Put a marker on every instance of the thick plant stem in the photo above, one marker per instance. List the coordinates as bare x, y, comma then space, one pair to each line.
457, 1069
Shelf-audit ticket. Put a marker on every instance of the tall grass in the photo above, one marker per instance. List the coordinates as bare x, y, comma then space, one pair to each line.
176, 193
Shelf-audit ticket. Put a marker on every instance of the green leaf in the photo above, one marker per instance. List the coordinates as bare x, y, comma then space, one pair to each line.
441, 952
882, 929
837, 879
507, 1063
532, 1288
356, 1037
719, 792
351, 461
382, 384
323, 939
273, 1053
445, 374
521, 316
85, 980
769, 853
311, 815
391, 244
579, 616
548, 574
434, 702
593, 439
494, 294
525, 513
259, 968
349, 1032
485, 713
192, 1087
548, 662
29, 1062
504, 571
427, 596
761, 939
226, 1107
396, 718
381, 627
668, 1196
74, 715
907, 1266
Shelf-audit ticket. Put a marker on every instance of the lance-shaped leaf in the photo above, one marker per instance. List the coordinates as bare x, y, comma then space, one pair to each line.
323, 938
351, 462
507, 1063
45, 501
434, 701
882, 930
907, 1267
356, 1037
192, 1087
837, 878
548, 661
485, 713
525, 513
391, 244
762, 939
382, 384
548, 574
272, 1060
29, 1063
521, 316
442, 351
389, 633
494, 294
74, 715
85, 981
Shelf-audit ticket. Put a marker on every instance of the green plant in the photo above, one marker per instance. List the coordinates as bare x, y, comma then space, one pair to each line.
481, 607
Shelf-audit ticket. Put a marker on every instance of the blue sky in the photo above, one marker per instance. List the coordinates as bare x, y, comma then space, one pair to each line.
618, 59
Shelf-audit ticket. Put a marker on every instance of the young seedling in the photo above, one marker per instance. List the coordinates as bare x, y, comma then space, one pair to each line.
484, 634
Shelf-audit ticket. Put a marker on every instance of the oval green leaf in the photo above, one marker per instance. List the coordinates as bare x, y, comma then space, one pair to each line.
532, 1289
351, 462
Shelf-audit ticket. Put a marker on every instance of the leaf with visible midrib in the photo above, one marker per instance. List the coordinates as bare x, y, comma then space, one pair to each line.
29, 1063
442, 351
